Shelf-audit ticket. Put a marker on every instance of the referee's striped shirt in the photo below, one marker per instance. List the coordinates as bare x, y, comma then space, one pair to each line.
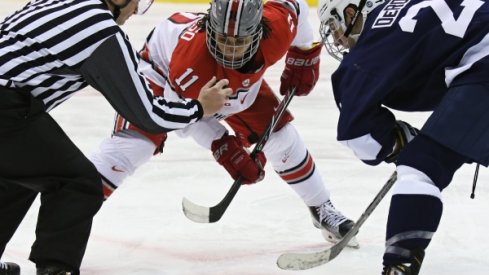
53, 48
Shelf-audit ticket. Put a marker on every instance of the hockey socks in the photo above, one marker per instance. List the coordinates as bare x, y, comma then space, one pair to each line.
412, 221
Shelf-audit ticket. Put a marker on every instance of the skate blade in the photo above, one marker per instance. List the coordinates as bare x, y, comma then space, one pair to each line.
353, 243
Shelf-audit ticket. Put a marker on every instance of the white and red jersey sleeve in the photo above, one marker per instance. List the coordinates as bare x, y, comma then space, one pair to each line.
282, 22
160, 44
305, 33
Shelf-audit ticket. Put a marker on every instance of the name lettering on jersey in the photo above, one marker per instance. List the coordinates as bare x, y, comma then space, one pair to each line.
389, 13
190, 32
184, 86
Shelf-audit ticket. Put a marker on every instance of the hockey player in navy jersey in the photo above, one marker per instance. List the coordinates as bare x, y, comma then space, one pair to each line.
411, 55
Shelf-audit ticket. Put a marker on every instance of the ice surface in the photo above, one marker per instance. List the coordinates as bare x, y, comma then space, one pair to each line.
142, 230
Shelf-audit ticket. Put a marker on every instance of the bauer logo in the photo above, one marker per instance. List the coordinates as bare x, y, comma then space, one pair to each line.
388, 15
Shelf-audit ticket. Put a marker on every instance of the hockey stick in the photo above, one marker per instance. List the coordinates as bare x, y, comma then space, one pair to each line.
301, 261
204, 214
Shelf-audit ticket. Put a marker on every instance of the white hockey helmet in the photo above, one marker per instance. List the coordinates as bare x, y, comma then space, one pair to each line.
332, 17
234, 31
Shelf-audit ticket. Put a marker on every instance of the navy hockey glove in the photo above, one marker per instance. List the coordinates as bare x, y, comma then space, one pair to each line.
229, 152
301, 70
403, 134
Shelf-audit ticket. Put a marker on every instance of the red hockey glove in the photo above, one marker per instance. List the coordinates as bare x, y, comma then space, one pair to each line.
301, 70
229, 152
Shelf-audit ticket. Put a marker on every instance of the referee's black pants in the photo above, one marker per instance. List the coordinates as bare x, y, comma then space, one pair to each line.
36, 156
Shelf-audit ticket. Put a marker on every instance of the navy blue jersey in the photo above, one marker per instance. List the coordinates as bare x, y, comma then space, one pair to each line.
407, 56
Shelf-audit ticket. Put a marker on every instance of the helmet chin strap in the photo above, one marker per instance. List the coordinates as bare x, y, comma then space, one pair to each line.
354, 19
117, 8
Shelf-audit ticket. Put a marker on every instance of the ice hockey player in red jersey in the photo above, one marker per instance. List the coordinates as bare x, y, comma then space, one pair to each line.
236, 40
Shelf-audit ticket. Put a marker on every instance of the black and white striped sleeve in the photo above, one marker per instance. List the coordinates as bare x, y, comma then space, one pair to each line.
113, 70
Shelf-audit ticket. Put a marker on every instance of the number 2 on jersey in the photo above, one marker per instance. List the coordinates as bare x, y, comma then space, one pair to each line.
456, 27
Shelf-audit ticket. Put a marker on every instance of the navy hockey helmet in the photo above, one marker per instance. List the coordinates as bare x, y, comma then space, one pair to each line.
234, 31
332, 18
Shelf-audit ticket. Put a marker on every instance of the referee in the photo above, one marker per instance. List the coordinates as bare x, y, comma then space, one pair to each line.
49, 50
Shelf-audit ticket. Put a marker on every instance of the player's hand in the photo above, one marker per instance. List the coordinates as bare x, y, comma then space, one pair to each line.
229, 152
301, 70
403, 133
213, 95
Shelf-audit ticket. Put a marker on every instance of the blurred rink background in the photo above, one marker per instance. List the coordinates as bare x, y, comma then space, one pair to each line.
142, 230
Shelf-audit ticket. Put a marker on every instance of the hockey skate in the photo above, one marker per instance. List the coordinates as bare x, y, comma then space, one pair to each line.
332, 223
9, 268
411, 268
